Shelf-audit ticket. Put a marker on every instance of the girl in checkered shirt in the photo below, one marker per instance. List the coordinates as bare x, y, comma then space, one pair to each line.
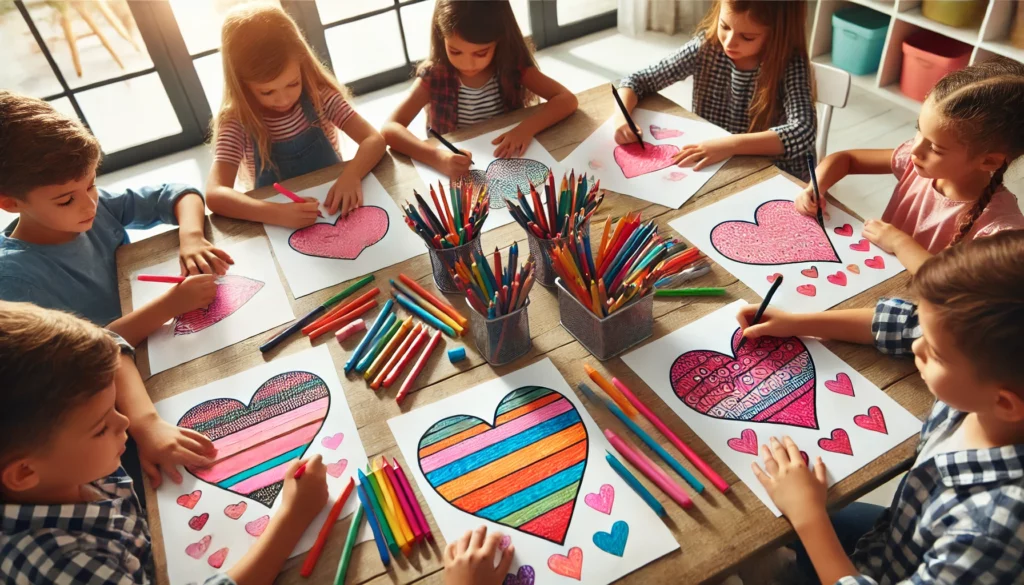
480, 66
751, 76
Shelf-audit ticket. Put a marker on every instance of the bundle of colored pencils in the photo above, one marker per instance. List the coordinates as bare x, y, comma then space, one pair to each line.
453, 225
630, 259
575, 202
490, 295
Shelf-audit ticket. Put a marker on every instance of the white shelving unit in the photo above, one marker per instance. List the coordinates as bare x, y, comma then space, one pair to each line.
988, 39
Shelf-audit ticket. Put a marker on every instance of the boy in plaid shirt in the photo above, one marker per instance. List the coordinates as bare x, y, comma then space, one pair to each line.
958, 516
68, 512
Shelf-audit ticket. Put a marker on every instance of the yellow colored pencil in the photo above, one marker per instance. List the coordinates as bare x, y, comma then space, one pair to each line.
392, 502
385, 353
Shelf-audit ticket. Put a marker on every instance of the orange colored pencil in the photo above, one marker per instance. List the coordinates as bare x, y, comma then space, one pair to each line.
395, 357
340, 310
325, 530
448, 309
604, 239
389, 348
341, 320
407, 356
612, 392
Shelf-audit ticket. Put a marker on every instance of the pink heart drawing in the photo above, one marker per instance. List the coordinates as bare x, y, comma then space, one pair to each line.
189, 500
872, 421
344, 239
774, 277
811, 272
877, 263
196, 550
838, 279
676, 176
337, 468
232, 293
635, 161
853, 268
770, 379
747, 443
505, 542
779, 234
660, 133
862, 246
839, 443
601, 501
841, 385
332, 442
235, 511
217, 559
845, 230
568, 566
197, 522
257, 526
807, 290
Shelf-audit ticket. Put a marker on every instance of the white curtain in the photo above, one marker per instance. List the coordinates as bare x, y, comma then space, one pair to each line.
675, 16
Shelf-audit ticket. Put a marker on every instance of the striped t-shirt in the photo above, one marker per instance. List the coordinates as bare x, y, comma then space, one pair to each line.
480, 103
235, 145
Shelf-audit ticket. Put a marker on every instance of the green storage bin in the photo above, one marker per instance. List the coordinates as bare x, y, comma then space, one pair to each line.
858, 37
958, 13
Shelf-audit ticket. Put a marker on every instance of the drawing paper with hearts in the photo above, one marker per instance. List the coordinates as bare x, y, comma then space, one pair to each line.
757, 234
772, 387
250, 300
647, 173
260, 421
336, 249
521, 454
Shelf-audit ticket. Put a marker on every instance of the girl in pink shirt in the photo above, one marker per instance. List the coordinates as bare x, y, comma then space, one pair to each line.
970, 130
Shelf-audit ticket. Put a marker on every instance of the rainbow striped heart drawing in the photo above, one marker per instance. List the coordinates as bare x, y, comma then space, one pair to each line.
524, 471
255, 442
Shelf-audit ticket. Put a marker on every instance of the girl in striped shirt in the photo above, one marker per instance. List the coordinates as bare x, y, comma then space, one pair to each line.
279, 119
480, 66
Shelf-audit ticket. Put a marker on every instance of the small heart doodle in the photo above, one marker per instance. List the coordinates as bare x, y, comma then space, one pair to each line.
838, 279
774, 277
660, 133
332, 442
747, 443
524, 576
337, 468
861, 246
601, 501
217, 559
570, 566
197, 522
614, 542
189, 500
811, 272
845, 230
872, 421
841, 385
595, 164
838, 443
808, 290
196, 550
675, 176
877, 263
853, 268
257, 526
235, 511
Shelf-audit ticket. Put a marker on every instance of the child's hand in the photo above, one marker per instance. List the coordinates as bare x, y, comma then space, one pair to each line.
346, 193
884, 235
705, 153
773, 323
163, 446
455, 165
194, 293
296, 215
305, 497
804, 203
798, 492
623, 134
198, 256
470, 560
513, 143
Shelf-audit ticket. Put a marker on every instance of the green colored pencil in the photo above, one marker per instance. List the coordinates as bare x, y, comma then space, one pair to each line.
707, 291
381, 342
377, 501
348, 291
350, 543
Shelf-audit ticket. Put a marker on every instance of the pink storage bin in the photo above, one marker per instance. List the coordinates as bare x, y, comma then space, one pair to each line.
927, 58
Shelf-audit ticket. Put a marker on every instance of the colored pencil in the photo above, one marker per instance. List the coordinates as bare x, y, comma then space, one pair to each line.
365, 341
389, 329
442, 227
629, 119
610, 390
300, 471
706, 291
558, 213
428, 307
443, 141
417, 510
634, 483
378, 534
687, 452
415, 309
647, 467
448, 309
341, 309
160, 278
421, 338
418, 367
697, 270
312, 315
760, 309
325, 530
350, 543
397, 355
342, 319
387, 524
491, 290
396, 505
814, 184
403, 502
385, 353
293, 196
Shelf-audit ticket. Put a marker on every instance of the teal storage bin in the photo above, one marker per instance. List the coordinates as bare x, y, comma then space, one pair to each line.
858, 37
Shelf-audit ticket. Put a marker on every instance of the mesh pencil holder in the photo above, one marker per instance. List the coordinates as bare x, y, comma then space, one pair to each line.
541, 248
503, 339
442, 261
608, 337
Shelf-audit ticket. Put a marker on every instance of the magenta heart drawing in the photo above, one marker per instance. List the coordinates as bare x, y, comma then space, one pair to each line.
768, 380
747, 443
845, 230
189, 500
838, 443
779, 234
602, 500
197, 522
838, 279
872, 421
877, 263
841, 385
862, 246
635, 160
196, 550
233, 292
660, 133
346, 238
524, 576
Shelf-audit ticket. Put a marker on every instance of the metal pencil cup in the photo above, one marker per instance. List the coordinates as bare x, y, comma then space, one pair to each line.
503, 339
442, 262
541, 248
608, 337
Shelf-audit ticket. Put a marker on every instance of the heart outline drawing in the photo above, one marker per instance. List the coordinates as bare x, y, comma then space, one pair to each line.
634, 160
808, 290
778, 235
872, 421
837, 442
369, 224
841, 385
233, 292
838, 279
746, 443
535, 449
603, 500
196, 550
614, 541
570, 565
256, 441
197, 522
190, 499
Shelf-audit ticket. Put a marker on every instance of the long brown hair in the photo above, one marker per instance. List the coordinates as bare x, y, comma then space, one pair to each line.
258, 41
481, 22
984, 104
975, 288
787, 40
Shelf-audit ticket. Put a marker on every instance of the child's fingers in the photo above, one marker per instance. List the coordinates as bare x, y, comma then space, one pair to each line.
506, 560
219, 266
202, 265
701, 164
200, 438
223, 255
756, 331
477, 538
190, 266
746, 315
500, 138
449, 552
761, 476
171, 470
779, 452
187, 457
491, 543
819, 470
792, 450
770, 465
463, 543
151, 471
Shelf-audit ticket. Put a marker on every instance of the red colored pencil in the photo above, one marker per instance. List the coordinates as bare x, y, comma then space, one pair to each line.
342, 319
448, 309
325, 530
160, 278
397, 356
300, 471
418, 367
340, 310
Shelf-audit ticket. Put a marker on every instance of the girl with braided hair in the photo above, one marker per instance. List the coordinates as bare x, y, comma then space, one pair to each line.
971, 129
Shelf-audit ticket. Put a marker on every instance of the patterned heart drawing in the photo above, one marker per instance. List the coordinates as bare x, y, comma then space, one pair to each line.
235, 511
877, 263
838, 279
189, 500
660, 133
506, 176
614, 542
524, 576
601, 501
568, 566
770, 380
779, 234
862, 246
217, 559
845, 230
232, 293
256, 442
197, 522
346, 238
524, 471
747, 443
808, 290
811, 272
841, 385
872, 421
196, 550
257, 526
635, 160
838, 443
853, 268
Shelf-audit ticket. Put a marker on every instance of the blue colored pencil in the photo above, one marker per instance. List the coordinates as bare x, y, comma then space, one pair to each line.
634, 483
365, 341
378, 537
415, 309
387, 330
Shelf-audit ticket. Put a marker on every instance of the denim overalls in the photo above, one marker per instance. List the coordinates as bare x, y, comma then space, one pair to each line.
309, 151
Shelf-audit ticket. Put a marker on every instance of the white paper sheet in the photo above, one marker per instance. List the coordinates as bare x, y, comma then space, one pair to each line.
334, 250
777, 387
483, 156
250, 300
756, 234
525, 435
308, 415
628, 169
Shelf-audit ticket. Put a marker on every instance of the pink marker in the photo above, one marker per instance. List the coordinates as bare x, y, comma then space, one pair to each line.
161, 278
650, 469
411, 497
291, 195
347, 331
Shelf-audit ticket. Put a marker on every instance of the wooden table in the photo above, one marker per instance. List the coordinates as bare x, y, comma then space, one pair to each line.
717, 535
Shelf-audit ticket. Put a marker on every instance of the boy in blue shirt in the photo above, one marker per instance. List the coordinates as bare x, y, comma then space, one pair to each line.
60, 253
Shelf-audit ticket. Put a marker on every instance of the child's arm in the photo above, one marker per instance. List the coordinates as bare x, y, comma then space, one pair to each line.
470, 560
560, 103
195, 253
222, 199
400, 139
676, 67
347, 191
196, 292
895, 241
853, 325
839, 164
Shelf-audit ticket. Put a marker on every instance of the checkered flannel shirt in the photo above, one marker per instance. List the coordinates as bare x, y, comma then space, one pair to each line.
722, 94
443, 107
895, 326
957, 518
